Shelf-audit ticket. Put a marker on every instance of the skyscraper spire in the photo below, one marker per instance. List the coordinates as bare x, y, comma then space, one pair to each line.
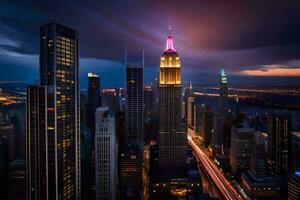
222, 72
190, 85
170, 45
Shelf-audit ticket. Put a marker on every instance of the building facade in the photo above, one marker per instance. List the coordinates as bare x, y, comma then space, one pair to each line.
93, 102
36, 143
279, 142
106, 150
131, 154
242, 143
135, 105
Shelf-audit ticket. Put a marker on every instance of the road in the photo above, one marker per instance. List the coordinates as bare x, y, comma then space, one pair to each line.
224, 186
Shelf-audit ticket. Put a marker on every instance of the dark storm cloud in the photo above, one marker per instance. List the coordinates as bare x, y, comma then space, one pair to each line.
237, 35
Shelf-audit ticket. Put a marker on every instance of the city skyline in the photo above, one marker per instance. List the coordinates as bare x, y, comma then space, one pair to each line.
262, 46
149, 100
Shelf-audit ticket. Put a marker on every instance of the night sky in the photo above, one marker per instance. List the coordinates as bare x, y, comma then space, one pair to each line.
247, 38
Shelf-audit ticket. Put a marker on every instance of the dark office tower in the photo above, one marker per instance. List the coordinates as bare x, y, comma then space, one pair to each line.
172, 135
148, 97
131, 158
93, 102
188, 91
207, 125
223, 92
36, 143
279, 142
134, 115
59, 62
190, 117
242, 142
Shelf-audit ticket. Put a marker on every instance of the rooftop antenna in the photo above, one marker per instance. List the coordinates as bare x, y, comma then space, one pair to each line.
143, 58
125, 55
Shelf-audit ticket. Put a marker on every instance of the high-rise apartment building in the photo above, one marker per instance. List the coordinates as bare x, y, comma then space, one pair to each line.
106, 153
172, 139
279, 142
59, 75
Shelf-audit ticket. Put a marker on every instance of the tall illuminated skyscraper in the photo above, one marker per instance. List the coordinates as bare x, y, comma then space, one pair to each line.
172, 142
59, 75
221, 133
223, 92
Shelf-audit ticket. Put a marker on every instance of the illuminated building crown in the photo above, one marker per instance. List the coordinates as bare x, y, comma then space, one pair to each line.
170, 44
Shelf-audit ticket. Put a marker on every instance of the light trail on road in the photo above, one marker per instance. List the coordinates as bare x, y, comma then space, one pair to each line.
225, 187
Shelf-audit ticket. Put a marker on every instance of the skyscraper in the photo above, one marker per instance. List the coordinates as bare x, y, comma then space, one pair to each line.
242, 142
93, 102
172, 141
190, 112
188, 91
36, 143
148, 99
106, 155
223, 92
279, 142
207, 125
135, 105
222, 122
59, 75
131, 158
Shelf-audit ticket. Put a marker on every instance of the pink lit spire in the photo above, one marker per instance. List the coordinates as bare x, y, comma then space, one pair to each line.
170, 45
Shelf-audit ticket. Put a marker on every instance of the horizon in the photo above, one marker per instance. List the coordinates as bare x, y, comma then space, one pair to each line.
204, 46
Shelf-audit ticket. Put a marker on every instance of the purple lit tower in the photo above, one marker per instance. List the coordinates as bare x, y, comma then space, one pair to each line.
172, 133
